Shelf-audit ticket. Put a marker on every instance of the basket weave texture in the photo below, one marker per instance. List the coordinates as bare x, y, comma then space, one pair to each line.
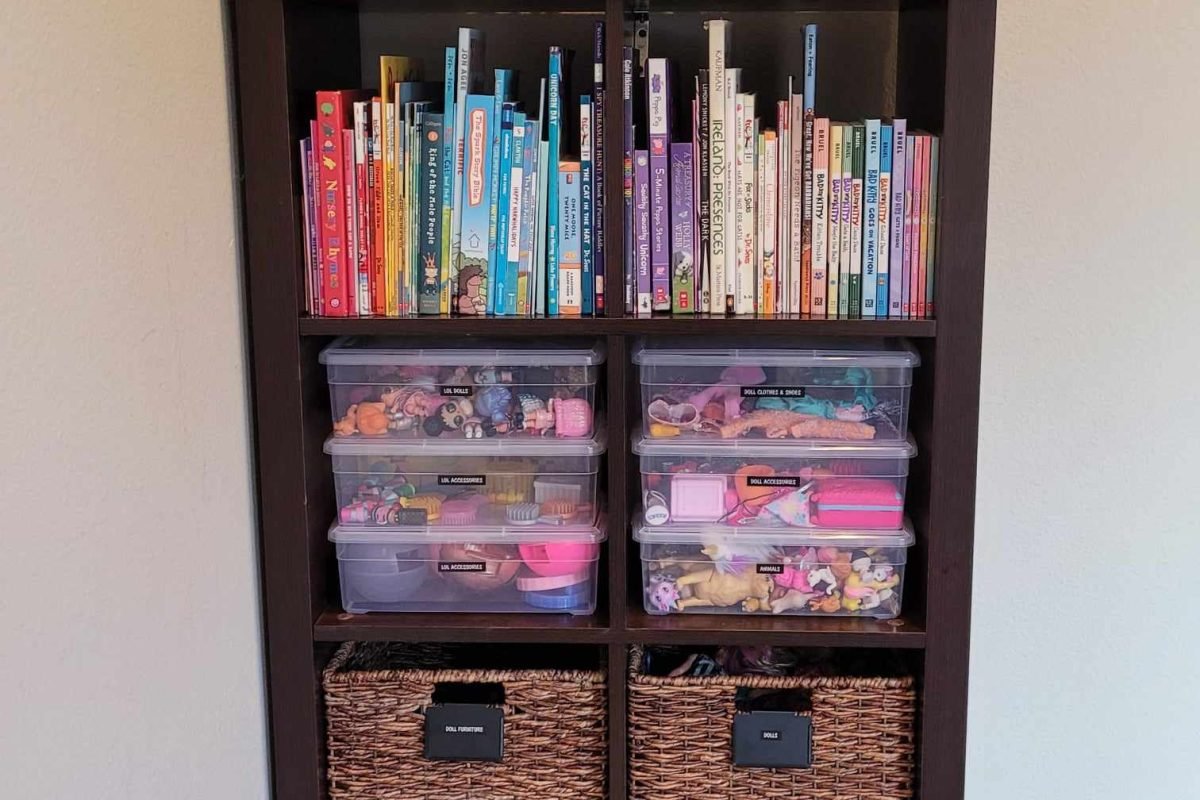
680, 739
555, 728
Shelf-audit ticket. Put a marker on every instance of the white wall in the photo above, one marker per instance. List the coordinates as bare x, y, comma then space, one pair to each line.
1086, 646
130, 664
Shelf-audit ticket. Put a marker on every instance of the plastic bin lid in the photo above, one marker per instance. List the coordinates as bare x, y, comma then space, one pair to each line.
449, 534
496, 446
697, 533
793, 353
372, 351
771, 448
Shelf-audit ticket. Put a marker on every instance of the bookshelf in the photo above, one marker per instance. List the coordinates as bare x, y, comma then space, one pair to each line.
930, 60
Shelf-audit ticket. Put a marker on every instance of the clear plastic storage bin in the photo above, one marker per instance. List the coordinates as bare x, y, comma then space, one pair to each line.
707, 569
423, 482
477, 569
382, 389
851, 392
774, 484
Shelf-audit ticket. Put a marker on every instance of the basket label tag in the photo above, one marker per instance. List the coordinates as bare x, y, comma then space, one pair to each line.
457, 391
462, 480
774, 481
462, 566
772, 739
774, 391
769, 569
408, 516
464, 732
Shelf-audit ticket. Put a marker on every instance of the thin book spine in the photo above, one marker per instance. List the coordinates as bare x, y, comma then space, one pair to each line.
796, 188
883, 262
704, 194
627, 144
783, 245
910, 194
351, 223
820, 217
641, 213
528, 220
733, 80
537, 293
555, 109
310, 234
914, 270
835, 220
659, 128
375, 182
718, 165
747, 265
468, 79
810, 98
931, 256
896, 215
682, 227
317, 209
512, 228
769, 212
872, 130
760, 148
447, 201
586, 205
500, 288
847, 231
599, 162
432, 155
570, 267
858, 168
502, 93
922, 261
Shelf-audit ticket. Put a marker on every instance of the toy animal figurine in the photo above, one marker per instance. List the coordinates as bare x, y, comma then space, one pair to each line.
663, 595
367, 419
777, 424
706, 587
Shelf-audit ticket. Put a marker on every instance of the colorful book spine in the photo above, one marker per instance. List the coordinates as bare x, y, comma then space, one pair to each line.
870, 214
783, 246
884, 215
627, 144
658, 120
896, 215
501, 291
351, 223
528, 221
432, 154
747, 263
810, 88
923, 236
538, 290
570, 267
733, 82
311, 247
473, 266
599, 162
914, 271
910, 195
512, 213
361, 212
587, 205
760, 148
447, 202
858, 168
703, 189
375, 184
641, 214
796, 218
392, 70
847, 231
334, 116
835, 219
718, 167
695, 145
683, 253
503, 90
468, 79
554, 131
931, 251
820, 217
769, 213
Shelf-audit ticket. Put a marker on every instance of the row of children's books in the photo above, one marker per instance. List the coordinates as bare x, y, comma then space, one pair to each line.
441, 198
812, 217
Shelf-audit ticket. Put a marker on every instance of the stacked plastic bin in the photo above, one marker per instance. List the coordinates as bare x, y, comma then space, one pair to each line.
773, 478
466, 477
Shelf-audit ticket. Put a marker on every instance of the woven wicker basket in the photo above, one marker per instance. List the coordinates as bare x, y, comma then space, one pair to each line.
680, 741
555, 727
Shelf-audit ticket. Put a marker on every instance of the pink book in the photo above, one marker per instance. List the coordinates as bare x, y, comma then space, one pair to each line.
351, 223
914, 223
922, 226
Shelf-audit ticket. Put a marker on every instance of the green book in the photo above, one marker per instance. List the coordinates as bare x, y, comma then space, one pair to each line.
844, 234
857, 172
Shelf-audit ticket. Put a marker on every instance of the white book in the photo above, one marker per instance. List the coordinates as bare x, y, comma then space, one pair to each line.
733, 82
468, 78
760, 189
747, 219
770, 218
796, 190
820, 220
718, 158
783, 244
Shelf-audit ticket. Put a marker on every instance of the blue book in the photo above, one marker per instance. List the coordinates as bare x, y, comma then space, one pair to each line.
554, 131
884, 216
511, 220
870, 251
429, 180
502, 94
586, 204
447, 174
504, 187
476, 203
810, 67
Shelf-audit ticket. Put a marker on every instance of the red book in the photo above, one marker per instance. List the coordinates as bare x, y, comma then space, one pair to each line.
335, 112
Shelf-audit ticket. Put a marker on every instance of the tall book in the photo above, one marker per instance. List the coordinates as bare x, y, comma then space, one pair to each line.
910, 195
503, 94
627, 144
429, 298
537, 293
703, 194
883, 261
312, 248
810, 89
554, 131
334, 116
351, 223
769, 213
587, 204
501, 291
658, 123
362, 211
570, 267
641, 222
923, 223
858, 168
914, 272
375, 183
682, 227
931, 247
796, 189
747, 240
820, 217
476, 197
760, 148
392, 70
870, 215
835, 219
599, 161
896, 215
450, 71
528, 221
512, 214
718, 166
733, 82
847, 231
468, 79
783, 245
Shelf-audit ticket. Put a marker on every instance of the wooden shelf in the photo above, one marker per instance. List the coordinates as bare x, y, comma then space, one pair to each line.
700, 325
799, 631
336, 626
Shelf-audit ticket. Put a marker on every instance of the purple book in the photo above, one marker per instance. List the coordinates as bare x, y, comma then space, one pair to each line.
641, 228
659, 126
683, 244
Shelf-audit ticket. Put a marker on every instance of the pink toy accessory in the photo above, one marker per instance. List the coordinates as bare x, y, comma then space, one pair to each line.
871, 503
696, 497
728, 389
572, 417
557, 558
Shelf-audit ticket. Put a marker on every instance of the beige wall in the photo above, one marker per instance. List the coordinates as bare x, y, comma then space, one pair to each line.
130, 662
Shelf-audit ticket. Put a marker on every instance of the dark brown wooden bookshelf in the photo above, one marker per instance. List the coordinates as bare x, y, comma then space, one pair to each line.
928, 60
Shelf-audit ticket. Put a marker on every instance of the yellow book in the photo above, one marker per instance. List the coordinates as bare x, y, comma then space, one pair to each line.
392, 70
